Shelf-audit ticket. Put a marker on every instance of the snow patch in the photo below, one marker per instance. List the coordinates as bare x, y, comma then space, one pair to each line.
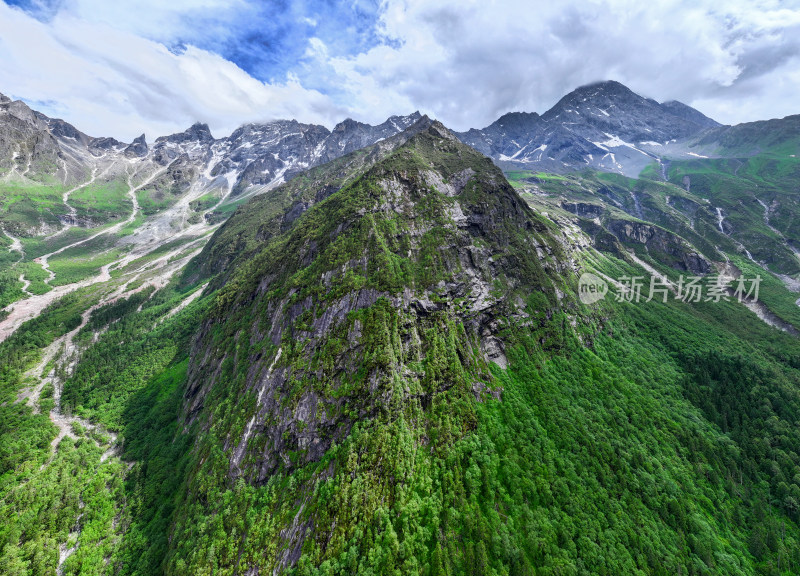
614, 142
617, 142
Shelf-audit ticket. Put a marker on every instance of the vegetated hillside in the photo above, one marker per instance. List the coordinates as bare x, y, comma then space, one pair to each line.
778, 136
396, 376
74, 207
274, 211
740, 207
386, 441
388, 298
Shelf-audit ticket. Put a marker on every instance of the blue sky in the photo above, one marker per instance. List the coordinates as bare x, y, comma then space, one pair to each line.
122, 68
267, 39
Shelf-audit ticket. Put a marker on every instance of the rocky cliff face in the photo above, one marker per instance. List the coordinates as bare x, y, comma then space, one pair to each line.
609, 232
137, 148
349, 136
389, 298
662, 245
27, 147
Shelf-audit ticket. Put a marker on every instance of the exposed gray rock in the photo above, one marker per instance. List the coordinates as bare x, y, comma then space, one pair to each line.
494, 351
292, 424
27, 147
105, 144
683, 256
605, 126
583, 209
137, 148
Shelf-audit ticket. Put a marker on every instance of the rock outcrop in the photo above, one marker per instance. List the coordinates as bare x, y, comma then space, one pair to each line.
662, 245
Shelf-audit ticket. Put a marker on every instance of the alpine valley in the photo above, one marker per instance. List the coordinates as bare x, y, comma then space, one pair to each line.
366, 350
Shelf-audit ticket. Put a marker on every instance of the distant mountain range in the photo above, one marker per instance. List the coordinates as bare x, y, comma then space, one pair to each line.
604, 126
186, 182
254, 157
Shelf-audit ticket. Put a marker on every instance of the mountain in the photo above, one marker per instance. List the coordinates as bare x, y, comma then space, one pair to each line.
604, 126
193, 164
723, 189
399, 244
689, 114
728, 190
779, 136
26, 144
388, 367
370, 350
274, 211
612, 107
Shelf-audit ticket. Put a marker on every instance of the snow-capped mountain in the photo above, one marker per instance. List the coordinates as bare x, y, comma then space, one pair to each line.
259, 156
254, 157
604, 126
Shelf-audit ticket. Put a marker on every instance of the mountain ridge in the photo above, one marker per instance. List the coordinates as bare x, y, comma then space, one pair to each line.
603, 125
425, 258
382, 364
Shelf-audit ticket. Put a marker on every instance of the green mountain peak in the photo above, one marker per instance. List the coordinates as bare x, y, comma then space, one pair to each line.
388, 297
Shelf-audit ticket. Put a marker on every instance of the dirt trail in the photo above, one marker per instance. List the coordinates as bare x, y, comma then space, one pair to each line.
16, 244
25, 284
28, 308
159, 269
191, 298
24, 310
59, 360
728, 273
60, 357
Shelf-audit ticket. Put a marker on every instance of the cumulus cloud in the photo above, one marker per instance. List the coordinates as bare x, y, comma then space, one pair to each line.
468, 61
120, 68
110, 81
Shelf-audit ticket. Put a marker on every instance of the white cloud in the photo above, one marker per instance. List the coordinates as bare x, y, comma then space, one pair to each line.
157, 19
109, 81
469, 61
105, 67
